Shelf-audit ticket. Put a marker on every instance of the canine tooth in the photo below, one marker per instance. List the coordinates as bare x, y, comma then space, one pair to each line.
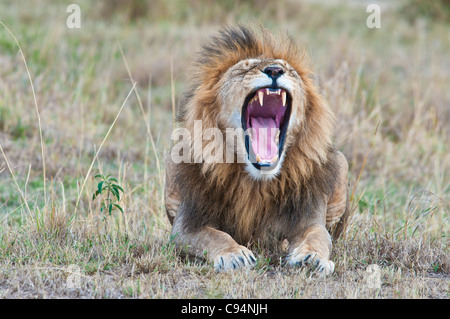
283, 97
274, 159
261, 97
277, 137
258, 159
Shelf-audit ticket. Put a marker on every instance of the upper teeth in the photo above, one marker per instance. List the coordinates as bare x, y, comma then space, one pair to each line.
260, 95
269, 91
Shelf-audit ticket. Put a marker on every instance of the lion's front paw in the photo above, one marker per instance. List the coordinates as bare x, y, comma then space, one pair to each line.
300, 257
234, 258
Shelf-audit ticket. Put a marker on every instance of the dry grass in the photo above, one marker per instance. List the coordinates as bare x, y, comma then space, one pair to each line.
388, 87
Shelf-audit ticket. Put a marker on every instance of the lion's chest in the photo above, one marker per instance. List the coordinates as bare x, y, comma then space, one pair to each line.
258, 217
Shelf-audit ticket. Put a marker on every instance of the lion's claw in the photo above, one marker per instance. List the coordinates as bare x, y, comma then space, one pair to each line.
312, 259
234, 258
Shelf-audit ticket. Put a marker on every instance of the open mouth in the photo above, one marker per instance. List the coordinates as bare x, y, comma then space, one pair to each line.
265, 118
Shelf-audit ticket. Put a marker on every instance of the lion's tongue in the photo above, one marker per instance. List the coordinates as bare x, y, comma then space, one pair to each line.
263, 138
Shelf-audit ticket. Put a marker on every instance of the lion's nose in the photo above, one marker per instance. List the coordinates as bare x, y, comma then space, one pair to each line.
274, 72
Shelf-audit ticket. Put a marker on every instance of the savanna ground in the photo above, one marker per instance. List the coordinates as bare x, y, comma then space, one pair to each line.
387, 86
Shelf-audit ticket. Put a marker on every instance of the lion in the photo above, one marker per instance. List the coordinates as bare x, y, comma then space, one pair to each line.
286, 182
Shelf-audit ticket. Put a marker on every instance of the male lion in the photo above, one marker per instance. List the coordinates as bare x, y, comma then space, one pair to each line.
290, 184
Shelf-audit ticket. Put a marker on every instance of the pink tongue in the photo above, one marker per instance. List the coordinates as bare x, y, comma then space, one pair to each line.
264, 130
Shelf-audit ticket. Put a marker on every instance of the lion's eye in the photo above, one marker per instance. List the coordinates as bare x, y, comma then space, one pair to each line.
250, 63
293, 72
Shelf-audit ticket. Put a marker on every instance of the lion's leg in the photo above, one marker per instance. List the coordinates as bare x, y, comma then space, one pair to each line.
172, 197
338, 204
313, 248
313, 244
207, 242
215, 245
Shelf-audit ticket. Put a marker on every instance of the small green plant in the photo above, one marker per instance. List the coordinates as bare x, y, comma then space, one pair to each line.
110, 190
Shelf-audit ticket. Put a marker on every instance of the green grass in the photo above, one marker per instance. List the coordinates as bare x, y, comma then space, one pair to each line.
388, 88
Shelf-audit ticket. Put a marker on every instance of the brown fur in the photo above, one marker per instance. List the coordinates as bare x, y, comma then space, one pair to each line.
310, 190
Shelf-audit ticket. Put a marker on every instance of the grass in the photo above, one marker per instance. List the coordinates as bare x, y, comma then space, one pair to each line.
104, 94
